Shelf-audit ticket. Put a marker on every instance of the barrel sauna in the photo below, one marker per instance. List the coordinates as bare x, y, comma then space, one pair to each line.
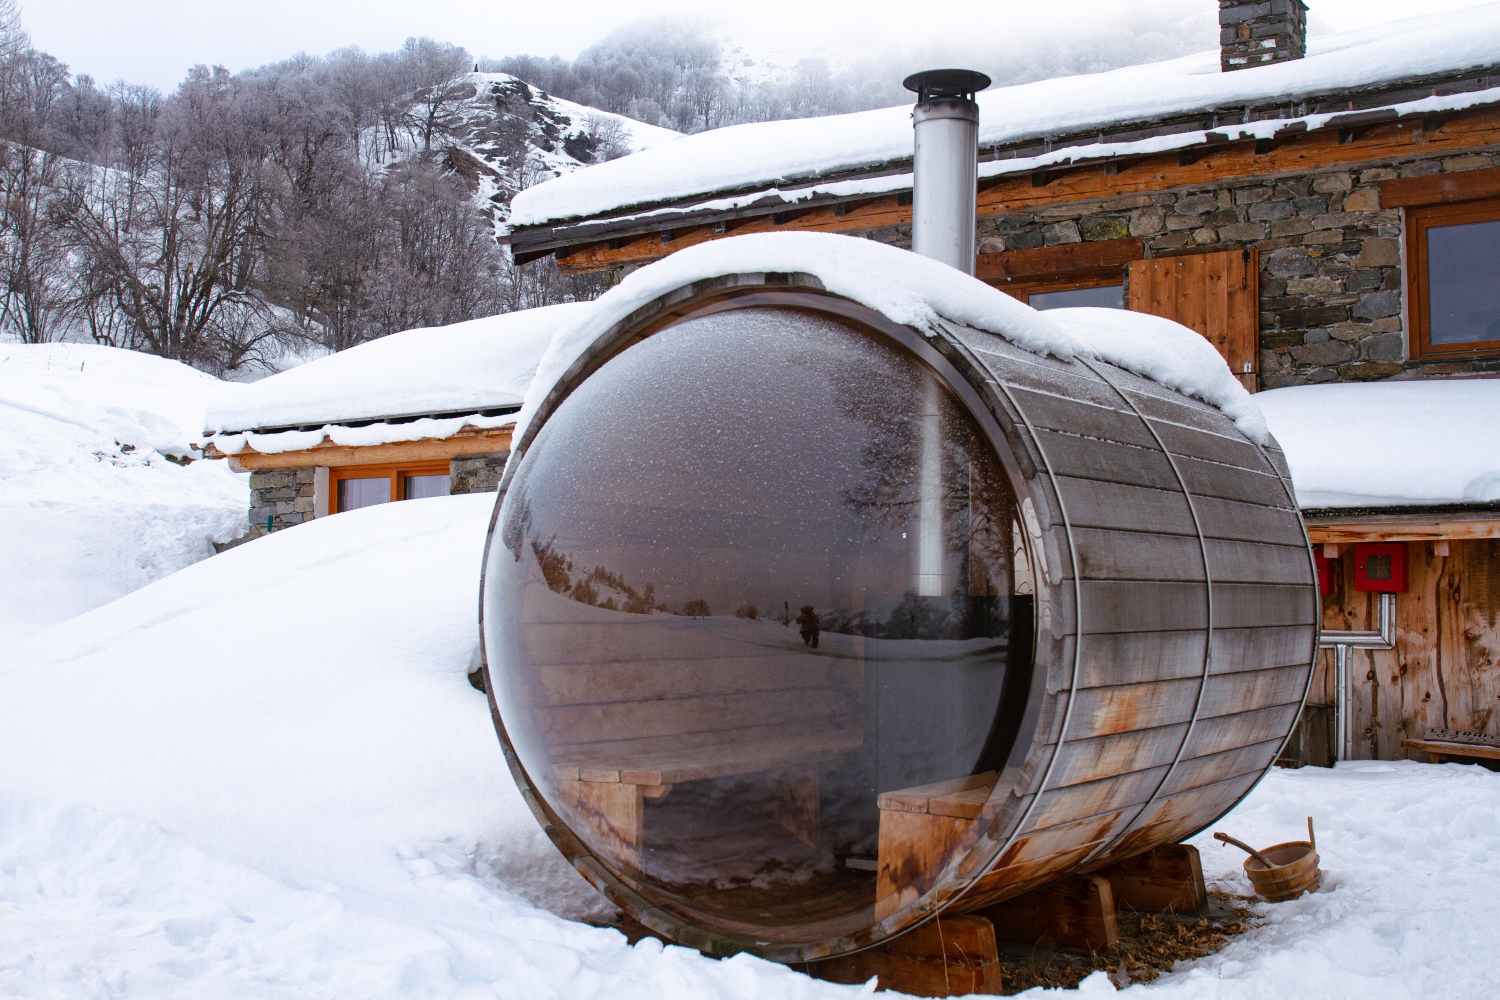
802, 626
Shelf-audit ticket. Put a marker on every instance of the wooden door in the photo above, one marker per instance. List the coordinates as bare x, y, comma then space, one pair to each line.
1217, 294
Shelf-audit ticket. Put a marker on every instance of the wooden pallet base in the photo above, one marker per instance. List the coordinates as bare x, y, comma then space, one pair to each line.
960, 954
945, 957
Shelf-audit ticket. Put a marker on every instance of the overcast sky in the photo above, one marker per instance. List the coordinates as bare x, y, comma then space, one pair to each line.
155, 41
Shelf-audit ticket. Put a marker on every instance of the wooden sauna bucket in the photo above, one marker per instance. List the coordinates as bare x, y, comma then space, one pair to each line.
1294, 871
1156, 657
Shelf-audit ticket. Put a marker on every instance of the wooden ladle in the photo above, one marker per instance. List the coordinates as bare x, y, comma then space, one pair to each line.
1226, 838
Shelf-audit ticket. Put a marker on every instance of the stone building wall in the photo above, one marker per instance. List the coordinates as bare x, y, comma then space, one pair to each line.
1332, 273
476, 473
280, 497
287, 497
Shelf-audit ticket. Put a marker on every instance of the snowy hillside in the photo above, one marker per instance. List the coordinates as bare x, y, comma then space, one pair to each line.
512, 136
93, 502
267, 776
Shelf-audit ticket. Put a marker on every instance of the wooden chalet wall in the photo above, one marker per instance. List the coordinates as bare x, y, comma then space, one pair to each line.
1445, 670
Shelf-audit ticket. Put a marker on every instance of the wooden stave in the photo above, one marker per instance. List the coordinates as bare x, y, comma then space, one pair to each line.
1295, 614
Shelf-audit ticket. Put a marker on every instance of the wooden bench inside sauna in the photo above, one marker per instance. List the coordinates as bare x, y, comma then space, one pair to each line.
803, 626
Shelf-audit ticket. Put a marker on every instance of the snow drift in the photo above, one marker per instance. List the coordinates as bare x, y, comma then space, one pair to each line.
267, 776
92, 501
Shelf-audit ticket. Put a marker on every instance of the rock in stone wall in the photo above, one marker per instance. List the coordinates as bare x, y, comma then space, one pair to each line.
285, 496
476, 473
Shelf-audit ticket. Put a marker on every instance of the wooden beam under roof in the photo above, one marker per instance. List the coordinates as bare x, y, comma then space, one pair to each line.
468, 441
1347, 533
1293, 153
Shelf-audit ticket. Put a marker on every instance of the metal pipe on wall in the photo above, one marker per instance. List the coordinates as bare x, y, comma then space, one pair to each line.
1341, 642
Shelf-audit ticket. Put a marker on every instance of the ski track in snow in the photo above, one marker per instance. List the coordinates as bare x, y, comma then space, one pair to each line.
267, 776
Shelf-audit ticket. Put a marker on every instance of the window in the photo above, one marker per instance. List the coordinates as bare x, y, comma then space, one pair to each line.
1454, 279
355, 486
1103, 296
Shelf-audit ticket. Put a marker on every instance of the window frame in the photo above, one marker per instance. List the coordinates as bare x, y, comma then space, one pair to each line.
1419, 219
396, 472
1024, 290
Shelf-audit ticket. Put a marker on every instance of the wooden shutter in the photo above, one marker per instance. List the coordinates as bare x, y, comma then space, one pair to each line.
1217, 294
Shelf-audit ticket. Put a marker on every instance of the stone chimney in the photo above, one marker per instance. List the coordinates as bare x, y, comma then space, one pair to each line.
1256, 32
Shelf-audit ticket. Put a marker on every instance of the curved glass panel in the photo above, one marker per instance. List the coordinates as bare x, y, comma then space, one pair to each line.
754, 583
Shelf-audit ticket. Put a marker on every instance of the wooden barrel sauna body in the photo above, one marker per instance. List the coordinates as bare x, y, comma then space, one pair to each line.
1158, 625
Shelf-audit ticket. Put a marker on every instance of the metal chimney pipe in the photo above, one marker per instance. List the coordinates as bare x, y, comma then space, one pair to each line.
945, 164
945, 186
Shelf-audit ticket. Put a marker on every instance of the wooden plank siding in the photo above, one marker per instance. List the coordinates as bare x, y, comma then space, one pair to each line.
1445, 670
1291, 154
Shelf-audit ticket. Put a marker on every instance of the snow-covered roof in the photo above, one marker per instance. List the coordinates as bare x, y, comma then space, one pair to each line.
917, 292
1386, 444
773, 155
407, 386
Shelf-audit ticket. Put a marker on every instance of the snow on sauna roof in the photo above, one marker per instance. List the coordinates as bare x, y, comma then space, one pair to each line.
760, 156
442, 375
1385, 444
917, 292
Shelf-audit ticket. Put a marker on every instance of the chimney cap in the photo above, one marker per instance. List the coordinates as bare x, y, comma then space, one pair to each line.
946, 83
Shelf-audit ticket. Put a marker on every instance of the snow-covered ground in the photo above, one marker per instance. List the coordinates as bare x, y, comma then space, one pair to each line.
267, 776
90, 506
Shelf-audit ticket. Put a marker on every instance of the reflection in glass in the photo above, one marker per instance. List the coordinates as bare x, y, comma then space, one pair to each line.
418, 487
756, 571
356, 493
1463, 283
1101, 296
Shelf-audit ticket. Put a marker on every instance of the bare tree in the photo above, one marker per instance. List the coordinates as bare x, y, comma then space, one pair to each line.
438, 72
35, 275
172, 237
610, 138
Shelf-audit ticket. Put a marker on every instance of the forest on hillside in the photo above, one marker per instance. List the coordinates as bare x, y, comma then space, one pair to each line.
323, 201
311, 203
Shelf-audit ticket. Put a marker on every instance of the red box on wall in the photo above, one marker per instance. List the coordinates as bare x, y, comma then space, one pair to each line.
1325, 571
1380, 567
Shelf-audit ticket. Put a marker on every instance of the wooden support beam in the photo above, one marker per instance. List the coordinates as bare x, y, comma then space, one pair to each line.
485, 442
1291, 153
1166, 879
1402, 531
1067, 258
1076, 913
1439, 189
1294, 153
945, 957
